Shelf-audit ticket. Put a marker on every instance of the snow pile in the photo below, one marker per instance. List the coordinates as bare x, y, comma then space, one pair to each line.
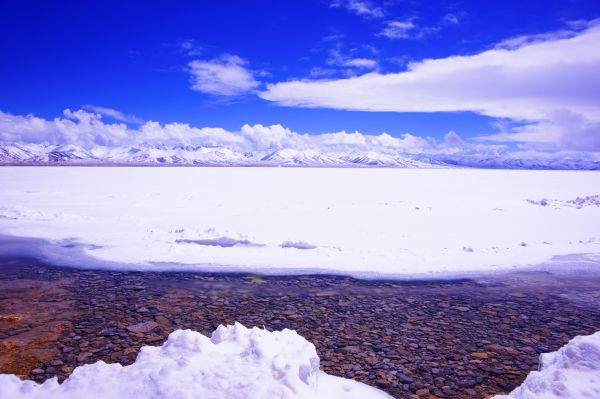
236, 362
572, 372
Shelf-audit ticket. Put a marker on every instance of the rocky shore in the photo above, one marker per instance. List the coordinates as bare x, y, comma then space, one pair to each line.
467, 338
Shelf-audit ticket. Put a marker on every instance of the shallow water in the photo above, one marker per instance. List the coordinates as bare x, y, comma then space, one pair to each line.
481, 335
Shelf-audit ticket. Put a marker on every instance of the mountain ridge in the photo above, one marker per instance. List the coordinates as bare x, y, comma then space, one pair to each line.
146, 154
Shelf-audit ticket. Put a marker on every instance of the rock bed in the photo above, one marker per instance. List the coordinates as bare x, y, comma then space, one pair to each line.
428, 339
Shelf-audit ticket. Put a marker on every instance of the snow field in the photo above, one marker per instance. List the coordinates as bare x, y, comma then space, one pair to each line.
396, 222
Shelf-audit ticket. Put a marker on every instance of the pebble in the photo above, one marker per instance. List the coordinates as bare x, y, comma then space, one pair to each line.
458, 339
143, 327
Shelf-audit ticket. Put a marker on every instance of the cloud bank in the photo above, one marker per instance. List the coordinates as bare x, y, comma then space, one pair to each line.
89, 131
549, 83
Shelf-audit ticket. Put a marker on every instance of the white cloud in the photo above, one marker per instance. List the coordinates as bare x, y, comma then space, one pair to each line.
452, 139
87, 130
262, 137
224, 76
113, 113
520, 41
27, 129
320, 72
366, 63
451, 19
359, 7
398, 29
537, 81
409, 29
338, 59
81, 128
190, 47
177, 134
560, 130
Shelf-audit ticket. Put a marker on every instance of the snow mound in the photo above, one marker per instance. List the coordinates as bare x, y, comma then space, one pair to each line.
572, 372
236, 362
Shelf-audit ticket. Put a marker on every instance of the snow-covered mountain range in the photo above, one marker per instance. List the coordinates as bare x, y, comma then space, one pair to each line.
150, 154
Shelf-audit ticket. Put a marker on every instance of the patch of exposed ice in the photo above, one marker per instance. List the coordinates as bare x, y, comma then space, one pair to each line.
73, 243
572, 372
212, 237
223, 242
234, 363
578, 203
297, 245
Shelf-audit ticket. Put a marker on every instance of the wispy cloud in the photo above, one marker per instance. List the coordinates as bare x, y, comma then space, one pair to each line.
408, 29
520, 41
113, 113
451, 19
362, 8
550, 82
400, 29
320, 72
338, 59
223, 76
190, 47
342, 58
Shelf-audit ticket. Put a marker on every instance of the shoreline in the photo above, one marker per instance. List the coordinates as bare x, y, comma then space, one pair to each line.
464, 338
73, 256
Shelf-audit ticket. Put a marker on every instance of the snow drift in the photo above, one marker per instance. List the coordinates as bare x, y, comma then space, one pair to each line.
572, 372
235, 362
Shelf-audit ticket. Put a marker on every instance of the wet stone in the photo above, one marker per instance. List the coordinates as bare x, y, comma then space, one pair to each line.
456, 339
143, 327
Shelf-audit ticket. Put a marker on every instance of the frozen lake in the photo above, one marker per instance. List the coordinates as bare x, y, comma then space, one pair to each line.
403, 222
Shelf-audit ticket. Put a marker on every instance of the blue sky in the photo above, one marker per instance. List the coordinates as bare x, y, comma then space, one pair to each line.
154, 61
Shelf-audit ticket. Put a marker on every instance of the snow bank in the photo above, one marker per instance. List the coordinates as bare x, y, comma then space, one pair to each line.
395, 222
572, 372
235, 362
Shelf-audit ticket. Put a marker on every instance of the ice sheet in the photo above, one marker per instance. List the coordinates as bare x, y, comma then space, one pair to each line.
357, 221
